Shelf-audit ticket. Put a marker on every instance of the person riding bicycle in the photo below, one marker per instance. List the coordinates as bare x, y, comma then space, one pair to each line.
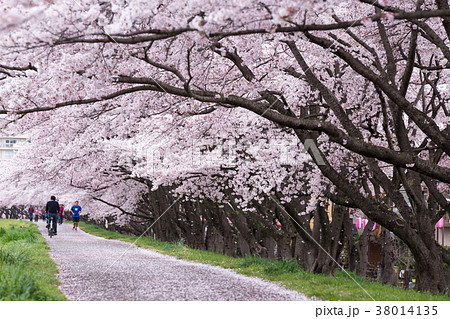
52, 210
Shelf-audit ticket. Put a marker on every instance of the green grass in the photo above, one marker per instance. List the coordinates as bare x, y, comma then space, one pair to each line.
286, 273
26, 270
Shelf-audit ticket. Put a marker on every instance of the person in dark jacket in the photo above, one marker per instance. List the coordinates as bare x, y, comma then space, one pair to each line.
31, 213
52, 210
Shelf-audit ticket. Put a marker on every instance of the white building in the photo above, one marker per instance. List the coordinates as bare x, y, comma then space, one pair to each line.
9, 145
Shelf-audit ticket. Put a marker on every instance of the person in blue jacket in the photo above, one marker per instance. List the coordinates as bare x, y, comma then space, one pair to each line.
76, 209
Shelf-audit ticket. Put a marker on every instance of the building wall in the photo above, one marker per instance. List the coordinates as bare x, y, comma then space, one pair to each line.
9, 145
443, 236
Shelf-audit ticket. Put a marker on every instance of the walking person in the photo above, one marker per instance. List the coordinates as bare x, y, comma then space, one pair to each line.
76, 209
52, 210
31, 213
61, 214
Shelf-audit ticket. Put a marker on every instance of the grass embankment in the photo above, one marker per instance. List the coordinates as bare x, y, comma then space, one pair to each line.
288, 274
26, 270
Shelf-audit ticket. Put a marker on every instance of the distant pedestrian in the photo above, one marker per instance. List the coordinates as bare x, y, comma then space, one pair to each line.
52, 210
76, 209
61, 214
36, 215
31, 213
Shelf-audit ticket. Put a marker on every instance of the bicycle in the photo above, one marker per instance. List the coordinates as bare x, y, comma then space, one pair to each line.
51, 226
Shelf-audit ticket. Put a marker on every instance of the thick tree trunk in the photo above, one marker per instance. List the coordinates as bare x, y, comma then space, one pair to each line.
195, 231
363, 250
429, 269
388, 275
270, 243
244, 247
337, 233
427, 254
217, 242
330, 237
228, 239
246, 234
349, 242
430, 274
284, 248
302, 252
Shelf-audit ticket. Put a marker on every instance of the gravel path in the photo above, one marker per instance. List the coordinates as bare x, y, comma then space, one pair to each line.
94, 268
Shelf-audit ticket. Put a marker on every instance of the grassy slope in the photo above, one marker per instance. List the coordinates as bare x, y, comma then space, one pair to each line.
26, 270
288, 274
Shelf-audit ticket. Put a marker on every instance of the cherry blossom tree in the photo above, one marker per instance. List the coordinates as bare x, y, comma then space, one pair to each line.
366, 81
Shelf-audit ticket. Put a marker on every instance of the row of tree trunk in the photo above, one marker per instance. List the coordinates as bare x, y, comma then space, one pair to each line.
319, 241
13, 212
